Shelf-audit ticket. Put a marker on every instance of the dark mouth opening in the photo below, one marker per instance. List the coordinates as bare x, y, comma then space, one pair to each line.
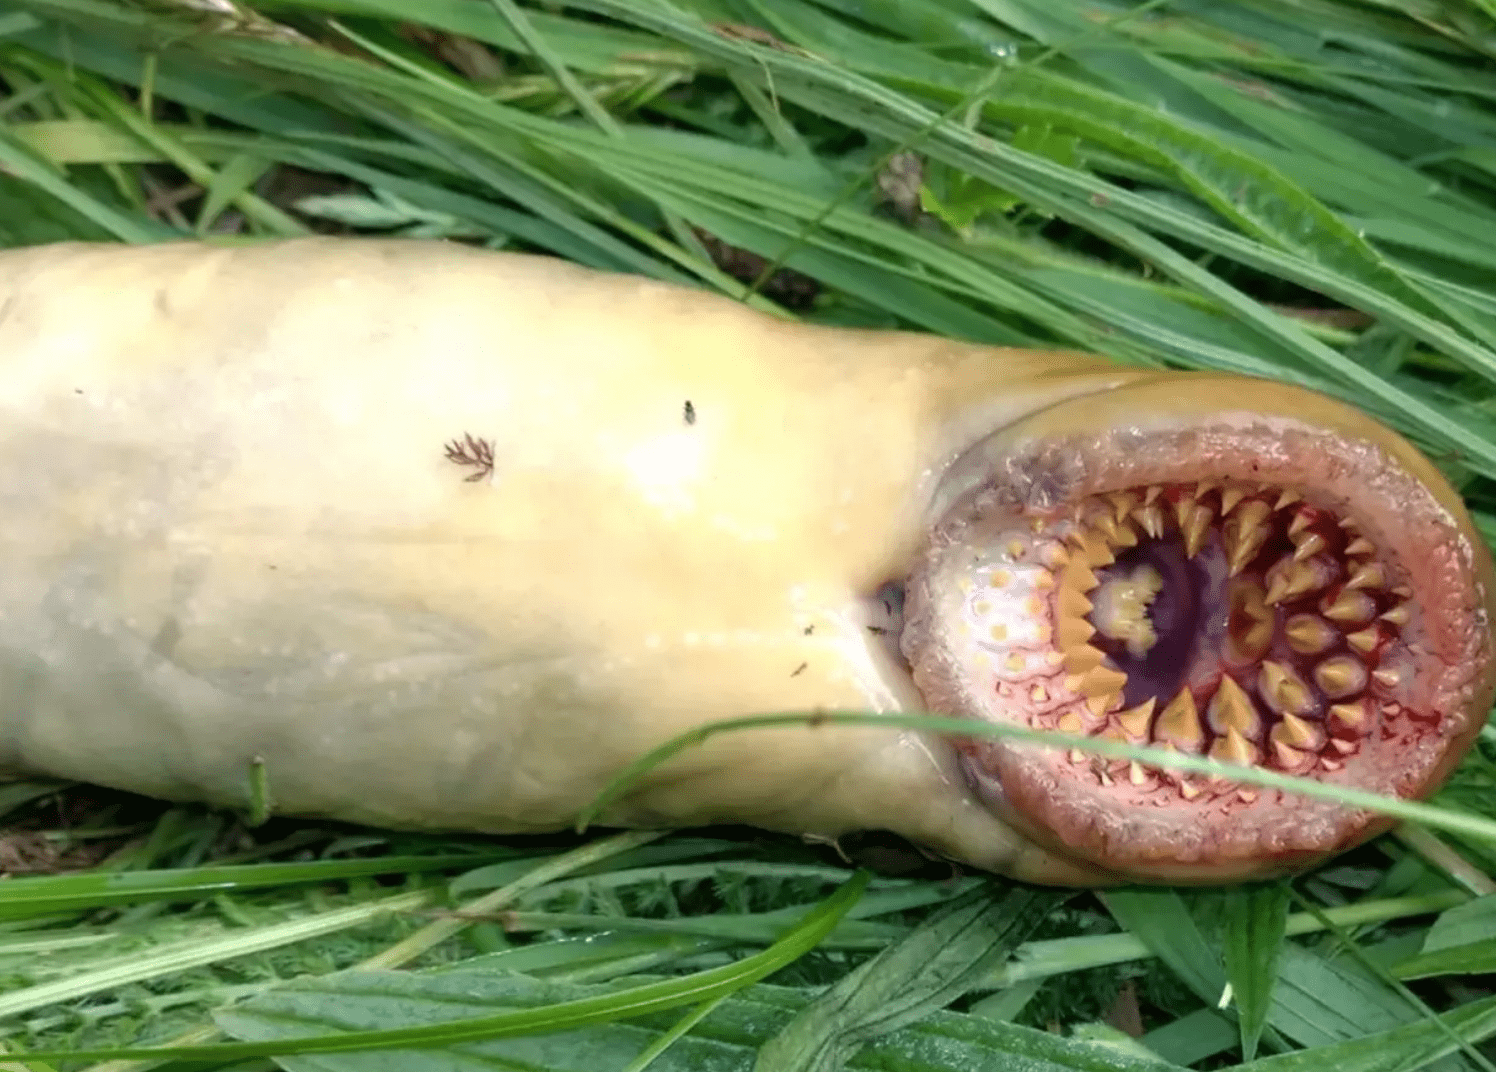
1189, 611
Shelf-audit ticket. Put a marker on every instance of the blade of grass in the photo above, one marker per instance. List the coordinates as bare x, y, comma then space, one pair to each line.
1430, 815
49, 895
1256, 926
1161, 921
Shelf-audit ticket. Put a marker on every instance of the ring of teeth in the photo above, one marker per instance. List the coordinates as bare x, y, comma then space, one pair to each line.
1290, 671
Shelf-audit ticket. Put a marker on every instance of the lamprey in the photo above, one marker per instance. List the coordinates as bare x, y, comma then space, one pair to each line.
423, 536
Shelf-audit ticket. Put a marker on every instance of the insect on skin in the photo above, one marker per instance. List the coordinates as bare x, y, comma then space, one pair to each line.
474, 453
690, 412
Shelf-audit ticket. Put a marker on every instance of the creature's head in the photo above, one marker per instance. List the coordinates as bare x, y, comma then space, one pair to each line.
1218, 566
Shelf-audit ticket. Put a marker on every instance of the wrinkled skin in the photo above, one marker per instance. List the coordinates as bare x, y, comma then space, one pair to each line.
236, 529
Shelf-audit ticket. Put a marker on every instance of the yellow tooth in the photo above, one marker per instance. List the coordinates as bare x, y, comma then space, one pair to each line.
1308, 634
1387, 678
1253, 644
1288, 758
1403, 591
1125, 536
1082, 658
1244, 534
1271, 677
1345, 748
1299, 733
1350, 606
1360, 546
1101, 704
1230, 708
1311, 545
1398, 615
1073, 604
1043, 579
1122, 503
1330, 764
1077, 756
1136, 720
1364, 640
1188, 789
1246, 796
1153, 492
1039, 694
1288, 498
1135, 773
1151, 518
1015, 663
1078, 575
1341, 676
1098, 552
1293, 579
1074, 632
1246, 598
1184, 509
1015, 548
1179, 723
1205, 487
1234, 748
1279, 586
1283, 689
1102, 681
1295, 697
1367, 575
1070, 723
1289, 580
1230, 496
1195, 530
1104, 524
1301, 521
1351, 715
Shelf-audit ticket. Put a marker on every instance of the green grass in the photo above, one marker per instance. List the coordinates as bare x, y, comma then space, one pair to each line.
1300, 189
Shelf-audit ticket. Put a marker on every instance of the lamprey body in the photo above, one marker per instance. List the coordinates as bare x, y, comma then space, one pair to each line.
443, 538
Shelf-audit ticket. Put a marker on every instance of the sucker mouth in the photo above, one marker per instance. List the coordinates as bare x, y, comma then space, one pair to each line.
1248, 585
1228, 620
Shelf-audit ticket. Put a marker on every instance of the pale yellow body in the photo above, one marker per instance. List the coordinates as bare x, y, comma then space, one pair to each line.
231, 532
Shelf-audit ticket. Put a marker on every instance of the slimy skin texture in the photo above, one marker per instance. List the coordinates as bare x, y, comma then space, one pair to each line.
234, 531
